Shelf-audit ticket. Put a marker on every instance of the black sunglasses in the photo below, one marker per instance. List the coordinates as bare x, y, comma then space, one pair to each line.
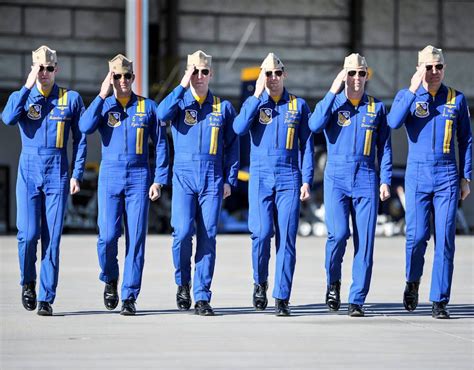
278, 73
205, 72
118, 76
361, 73
439, 67
48, 68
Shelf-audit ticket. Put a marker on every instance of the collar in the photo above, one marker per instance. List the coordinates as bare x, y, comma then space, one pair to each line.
265, 97
341, 99
133, 99
36, 93
189, 98
422, 91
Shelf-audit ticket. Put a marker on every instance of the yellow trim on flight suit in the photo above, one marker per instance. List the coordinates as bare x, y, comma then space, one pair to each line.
139, 141
62, 101
368, 133
216, 110
290, 133
448, 126
140, 130
60, 134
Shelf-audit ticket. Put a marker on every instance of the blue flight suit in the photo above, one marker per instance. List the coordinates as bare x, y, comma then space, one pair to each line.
124, 181
281, 158
432, 177
43, 179
351, 181
206, 155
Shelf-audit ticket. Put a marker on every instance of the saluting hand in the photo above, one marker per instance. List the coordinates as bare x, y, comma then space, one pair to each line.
227, 191
417, 78
186, 80
106, 86
260, 84
155, 192
32, 76
305, 192
74, 186
384, 192
465, 189
338, 82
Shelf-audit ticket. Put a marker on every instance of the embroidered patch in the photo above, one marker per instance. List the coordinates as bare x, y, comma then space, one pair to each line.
344, 118
34, 111
190, 117
422, 109
265, 116
114, 119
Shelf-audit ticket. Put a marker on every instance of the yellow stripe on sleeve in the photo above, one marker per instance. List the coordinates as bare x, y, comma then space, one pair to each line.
448, 134
139, 141
214, 142
60, 134
368, 142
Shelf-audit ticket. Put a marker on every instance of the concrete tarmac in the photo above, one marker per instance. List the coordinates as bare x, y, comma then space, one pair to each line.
83, 334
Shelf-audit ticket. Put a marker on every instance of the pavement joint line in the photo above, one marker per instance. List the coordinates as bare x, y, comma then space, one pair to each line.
422, 326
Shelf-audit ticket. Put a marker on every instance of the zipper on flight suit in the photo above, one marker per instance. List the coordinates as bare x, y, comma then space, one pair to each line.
277, 126
126, 129
433, 139
355, 131
200, 129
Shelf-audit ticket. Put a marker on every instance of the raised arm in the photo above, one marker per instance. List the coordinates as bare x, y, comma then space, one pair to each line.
92, 116
322, 113
16, 102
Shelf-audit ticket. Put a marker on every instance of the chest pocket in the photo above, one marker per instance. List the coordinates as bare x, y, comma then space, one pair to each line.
369, 133
216, 111
290, 133
448, 125
140, 130
62, 105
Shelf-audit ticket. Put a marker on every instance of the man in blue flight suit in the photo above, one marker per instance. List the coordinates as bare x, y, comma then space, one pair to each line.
355, 127
281, 144
433, 115
206, 162
125, 121
45, 114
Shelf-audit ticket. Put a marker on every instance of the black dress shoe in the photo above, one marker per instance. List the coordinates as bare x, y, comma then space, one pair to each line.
111, 297
260, 300
45, 309
439, 310
203, 308
410, 295
28, 296
128, 308
355, 310
282, 308
333, 296
183, 297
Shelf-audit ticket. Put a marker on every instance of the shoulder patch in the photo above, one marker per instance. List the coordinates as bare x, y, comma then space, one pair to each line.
190, 117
